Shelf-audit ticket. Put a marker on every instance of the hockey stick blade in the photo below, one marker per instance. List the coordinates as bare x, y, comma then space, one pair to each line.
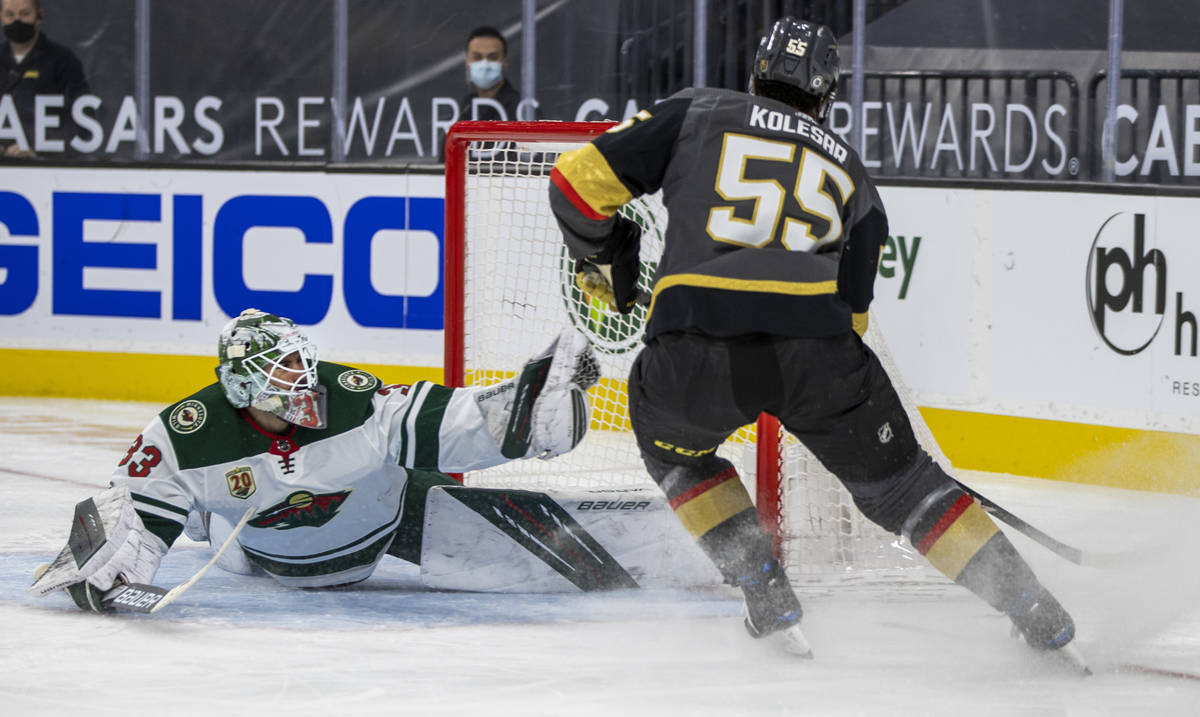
1075, 555
136, 597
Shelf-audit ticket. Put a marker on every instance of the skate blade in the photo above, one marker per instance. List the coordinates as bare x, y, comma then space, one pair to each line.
794, 643
1070, 656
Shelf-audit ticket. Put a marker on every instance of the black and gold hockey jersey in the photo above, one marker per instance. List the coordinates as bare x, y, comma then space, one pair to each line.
774, 225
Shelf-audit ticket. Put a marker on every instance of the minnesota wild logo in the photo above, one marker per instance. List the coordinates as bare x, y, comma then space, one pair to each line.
187, 417
355, 380
301, 509
609, 331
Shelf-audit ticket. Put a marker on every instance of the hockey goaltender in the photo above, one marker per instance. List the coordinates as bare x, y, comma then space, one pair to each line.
320, 470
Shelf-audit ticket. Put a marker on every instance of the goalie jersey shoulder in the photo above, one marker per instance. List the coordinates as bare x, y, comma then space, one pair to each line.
205, 429
350, 393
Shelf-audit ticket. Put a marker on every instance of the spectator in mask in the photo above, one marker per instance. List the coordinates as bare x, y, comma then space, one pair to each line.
487, 65
32, 65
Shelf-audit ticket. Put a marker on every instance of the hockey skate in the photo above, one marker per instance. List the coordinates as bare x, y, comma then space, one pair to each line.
1047, 627
771, 608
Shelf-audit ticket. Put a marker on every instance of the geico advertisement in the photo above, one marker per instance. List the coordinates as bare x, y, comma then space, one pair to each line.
1069, 306
156, 261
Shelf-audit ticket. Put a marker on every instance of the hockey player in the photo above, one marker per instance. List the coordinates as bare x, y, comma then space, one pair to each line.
335, 464
758, 305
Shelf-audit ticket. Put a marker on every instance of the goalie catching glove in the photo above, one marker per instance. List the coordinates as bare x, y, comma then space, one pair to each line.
108, 545
543, 412
611, 275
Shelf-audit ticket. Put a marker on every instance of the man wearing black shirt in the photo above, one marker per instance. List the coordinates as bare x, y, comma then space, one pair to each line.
487, 67
31, 65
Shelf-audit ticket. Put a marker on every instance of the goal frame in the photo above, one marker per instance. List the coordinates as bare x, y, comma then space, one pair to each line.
768, 489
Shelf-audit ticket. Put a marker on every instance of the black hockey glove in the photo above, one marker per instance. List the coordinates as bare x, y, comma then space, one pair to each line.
611, 275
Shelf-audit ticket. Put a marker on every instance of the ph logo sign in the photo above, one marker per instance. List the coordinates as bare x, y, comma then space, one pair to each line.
1126, 284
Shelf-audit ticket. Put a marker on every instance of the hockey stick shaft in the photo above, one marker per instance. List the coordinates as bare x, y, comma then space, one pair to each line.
138, 597
1067, 552
178, 590
1075, 555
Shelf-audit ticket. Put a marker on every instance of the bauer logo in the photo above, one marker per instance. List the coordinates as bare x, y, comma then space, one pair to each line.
1126, 284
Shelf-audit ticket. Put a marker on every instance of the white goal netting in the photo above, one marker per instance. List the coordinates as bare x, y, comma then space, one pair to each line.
518, 292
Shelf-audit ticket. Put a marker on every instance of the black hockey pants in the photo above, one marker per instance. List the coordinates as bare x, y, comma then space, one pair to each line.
689, 392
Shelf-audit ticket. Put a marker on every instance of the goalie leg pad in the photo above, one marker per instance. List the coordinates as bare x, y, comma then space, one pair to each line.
511, 541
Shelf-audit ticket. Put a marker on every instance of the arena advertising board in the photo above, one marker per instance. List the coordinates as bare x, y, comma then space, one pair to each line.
156, 261
1073, 317
1066, 306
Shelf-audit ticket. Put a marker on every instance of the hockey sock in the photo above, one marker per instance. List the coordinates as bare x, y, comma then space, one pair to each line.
964, 544
717, 511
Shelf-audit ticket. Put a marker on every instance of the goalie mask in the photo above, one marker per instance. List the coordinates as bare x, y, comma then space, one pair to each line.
802, 55
268, 363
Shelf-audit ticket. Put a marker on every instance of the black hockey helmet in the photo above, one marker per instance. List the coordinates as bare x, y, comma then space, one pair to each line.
802, 55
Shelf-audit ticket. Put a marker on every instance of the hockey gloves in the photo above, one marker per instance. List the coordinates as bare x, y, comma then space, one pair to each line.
611, 274
108, 545
543, 412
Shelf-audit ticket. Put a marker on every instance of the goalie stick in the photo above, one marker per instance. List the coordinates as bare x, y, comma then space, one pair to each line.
139, 597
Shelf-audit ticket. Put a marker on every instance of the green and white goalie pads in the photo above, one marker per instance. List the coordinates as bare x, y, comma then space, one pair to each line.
108, 542
543, 412
505, 540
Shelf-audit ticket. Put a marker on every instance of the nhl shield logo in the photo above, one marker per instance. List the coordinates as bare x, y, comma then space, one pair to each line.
241, 482
187, 417
357, 381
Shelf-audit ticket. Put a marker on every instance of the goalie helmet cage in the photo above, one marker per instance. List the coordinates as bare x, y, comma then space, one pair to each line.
509, 290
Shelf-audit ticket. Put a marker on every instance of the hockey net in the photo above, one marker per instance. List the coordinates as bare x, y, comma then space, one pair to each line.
510, 290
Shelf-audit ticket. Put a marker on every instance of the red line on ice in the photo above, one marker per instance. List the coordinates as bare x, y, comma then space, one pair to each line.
51, 478
1144, 669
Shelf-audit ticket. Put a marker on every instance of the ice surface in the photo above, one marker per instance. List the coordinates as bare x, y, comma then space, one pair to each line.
238, 645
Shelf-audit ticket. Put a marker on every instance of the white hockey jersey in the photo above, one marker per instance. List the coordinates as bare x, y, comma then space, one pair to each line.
327, 501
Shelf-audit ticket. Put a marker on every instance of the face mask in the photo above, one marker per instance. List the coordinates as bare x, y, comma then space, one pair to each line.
19, 32
484, 74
